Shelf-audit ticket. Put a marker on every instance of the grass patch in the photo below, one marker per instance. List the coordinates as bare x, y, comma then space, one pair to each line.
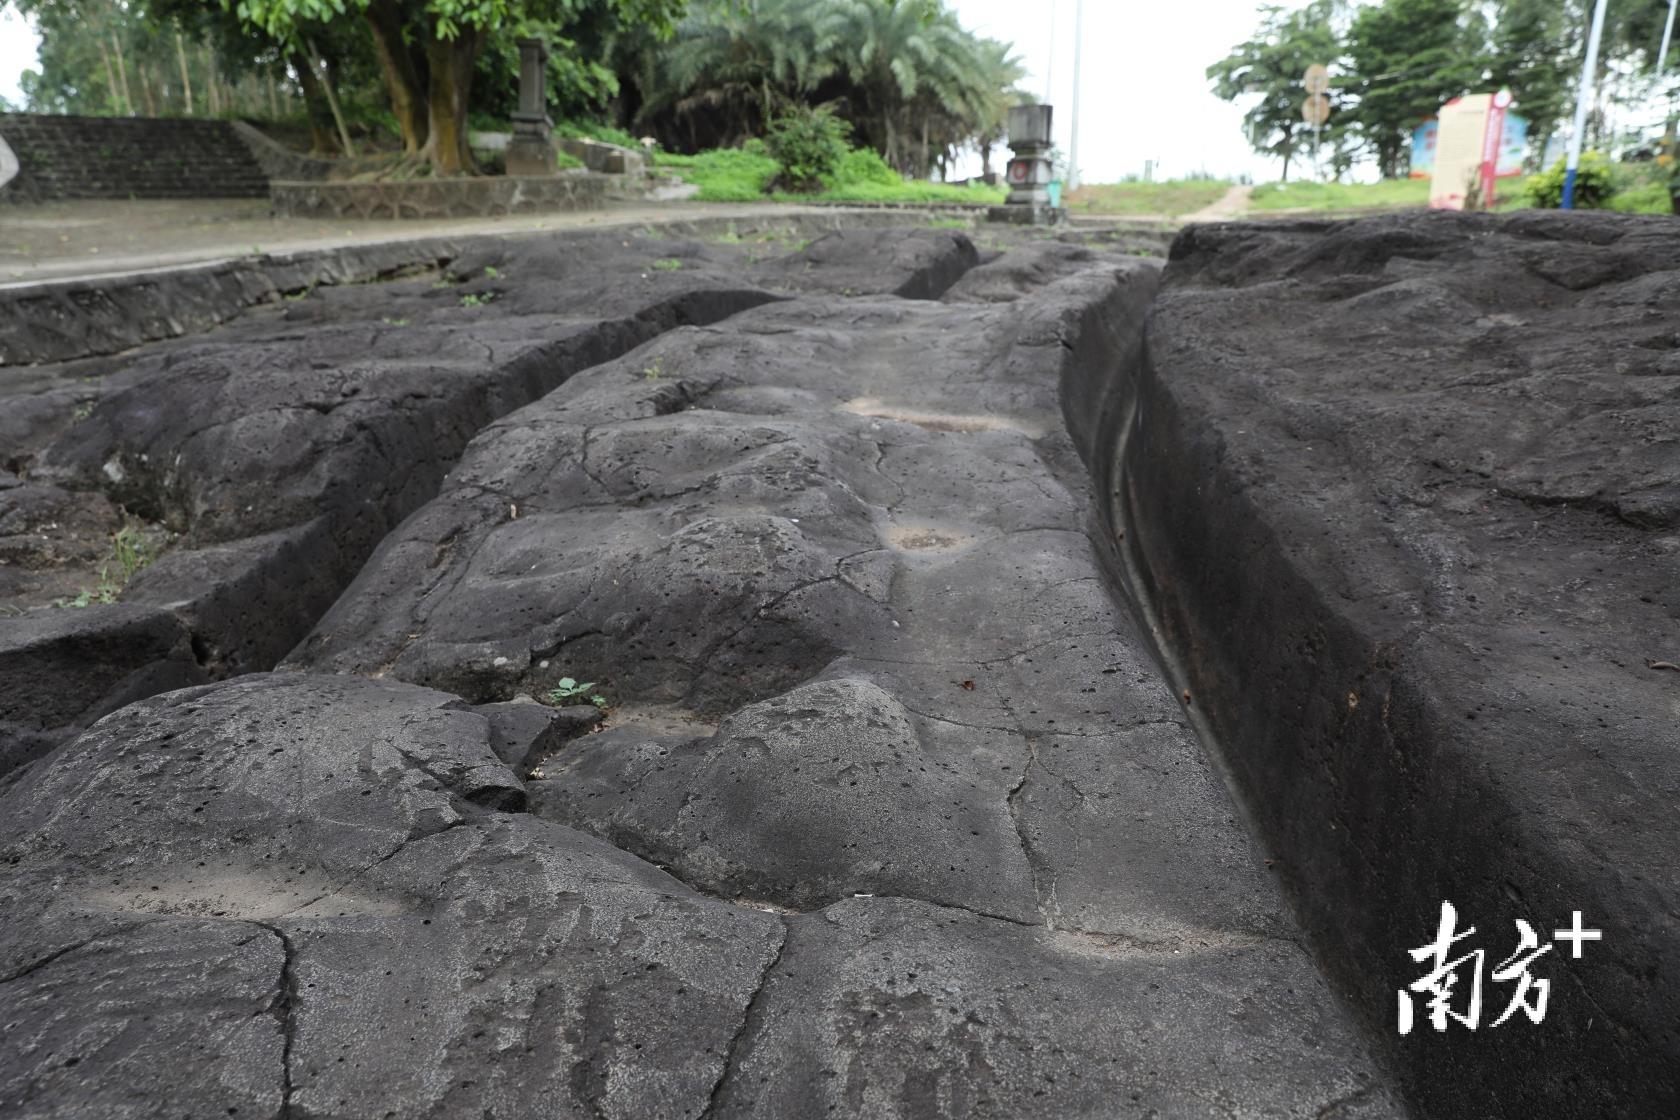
1388, 194
723, 174
915, 190
667, 264
1644, 198
1170, 198
746, 175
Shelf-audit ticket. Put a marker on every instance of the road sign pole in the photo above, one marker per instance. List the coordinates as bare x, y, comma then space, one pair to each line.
1073, 143
1587, 69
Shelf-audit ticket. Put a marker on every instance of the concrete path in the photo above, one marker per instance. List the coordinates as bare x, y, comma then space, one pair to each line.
61, 240
1233, 204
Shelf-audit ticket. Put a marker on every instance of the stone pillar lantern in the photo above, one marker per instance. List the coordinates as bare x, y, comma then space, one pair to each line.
1029, 172
531, 151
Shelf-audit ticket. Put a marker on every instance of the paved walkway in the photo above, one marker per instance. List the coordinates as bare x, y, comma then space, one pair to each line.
58, 240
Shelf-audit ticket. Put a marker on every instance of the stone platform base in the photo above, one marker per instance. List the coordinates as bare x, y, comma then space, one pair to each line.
441, 198
1033, 215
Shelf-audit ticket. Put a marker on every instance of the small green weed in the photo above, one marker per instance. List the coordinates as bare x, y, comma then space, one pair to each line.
655, 369
492, 271
395, 322
131, 551
567, 690
81, 412
667, 264
477, 299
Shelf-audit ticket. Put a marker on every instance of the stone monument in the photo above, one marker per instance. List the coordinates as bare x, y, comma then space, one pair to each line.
1029, 171
531, 151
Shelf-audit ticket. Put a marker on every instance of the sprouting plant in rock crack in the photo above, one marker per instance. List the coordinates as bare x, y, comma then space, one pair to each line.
566, 690
655, 369
668, 264
81, 412
477, 299
390, 322
132, 548
492, 271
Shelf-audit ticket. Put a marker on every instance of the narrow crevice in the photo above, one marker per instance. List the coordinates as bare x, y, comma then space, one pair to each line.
749, 1019
284, 1009
43, 962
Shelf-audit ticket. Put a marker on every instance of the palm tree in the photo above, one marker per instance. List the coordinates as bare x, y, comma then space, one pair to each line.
919, 78
735, 63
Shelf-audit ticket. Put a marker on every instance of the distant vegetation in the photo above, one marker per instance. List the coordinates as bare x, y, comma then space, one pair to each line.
1393, 63
1171, 198
903, 77
1389, 194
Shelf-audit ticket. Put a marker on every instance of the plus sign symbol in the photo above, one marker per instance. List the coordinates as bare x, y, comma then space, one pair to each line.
1576, 934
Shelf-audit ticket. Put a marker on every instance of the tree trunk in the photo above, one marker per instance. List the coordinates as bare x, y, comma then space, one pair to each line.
332, 101
110, 75
186, 78
273, 97
450, 66
212, 95
402, 79
315, 108
122, 74
986, 160
146, 90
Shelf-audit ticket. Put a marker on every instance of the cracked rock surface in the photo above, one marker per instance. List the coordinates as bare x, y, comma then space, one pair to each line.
890, 813
274, 453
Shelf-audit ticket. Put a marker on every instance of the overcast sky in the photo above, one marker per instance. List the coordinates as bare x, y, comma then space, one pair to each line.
1145, 93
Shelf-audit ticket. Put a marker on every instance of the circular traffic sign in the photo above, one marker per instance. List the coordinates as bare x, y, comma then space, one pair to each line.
1315, 110
1317, 79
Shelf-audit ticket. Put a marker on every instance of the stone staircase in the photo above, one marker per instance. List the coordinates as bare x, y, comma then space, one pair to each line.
62, 157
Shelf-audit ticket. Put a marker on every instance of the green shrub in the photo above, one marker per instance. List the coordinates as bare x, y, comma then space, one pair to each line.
807, 145
1594, 184
860, 166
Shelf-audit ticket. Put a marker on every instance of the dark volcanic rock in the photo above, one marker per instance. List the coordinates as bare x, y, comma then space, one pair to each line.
810, 797
305, 884
895, 1008
1406, 494
861, 521
914, 264
890, 813
64, 668
284, 447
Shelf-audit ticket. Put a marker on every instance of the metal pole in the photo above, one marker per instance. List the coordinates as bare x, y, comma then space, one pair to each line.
1073, 144
1050, 66
1587, 68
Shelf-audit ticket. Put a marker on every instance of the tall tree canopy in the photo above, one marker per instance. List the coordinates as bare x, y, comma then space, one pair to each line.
905, 74
1272, 65
428, 49
1395, 62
